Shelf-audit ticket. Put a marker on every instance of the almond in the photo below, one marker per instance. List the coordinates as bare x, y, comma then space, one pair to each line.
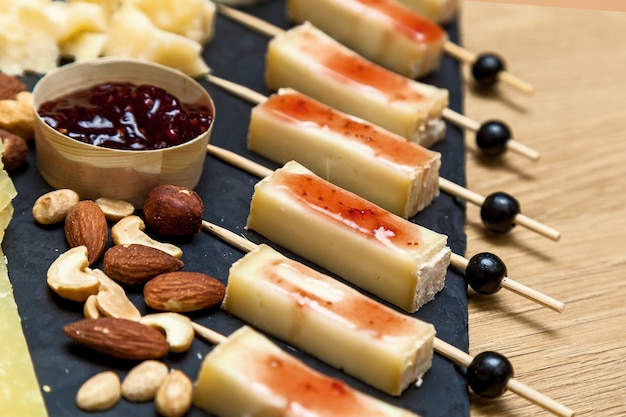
85, 224
121, 338
183, 292
135, 264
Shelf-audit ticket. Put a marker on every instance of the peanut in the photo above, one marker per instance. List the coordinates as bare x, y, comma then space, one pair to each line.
143, 381
100, 392
173, 399
52, 207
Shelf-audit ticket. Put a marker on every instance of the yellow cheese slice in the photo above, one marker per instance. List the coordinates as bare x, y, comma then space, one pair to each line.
7, 190
5, 217
20, 395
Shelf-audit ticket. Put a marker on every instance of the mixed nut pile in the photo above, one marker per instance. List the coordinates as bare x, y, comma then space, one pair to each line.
16, 121
113, 325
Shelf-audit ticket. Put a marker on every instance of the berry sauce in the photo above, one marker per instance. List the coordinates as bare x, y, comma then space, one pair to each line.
126, 116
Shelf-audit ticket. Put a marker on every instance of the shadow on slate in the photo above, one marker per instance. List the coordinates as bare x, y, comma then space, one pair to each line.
237, 54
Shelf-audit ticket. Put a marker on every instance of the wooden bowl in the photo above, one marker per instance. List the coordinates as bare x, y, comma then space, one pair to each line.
94, 171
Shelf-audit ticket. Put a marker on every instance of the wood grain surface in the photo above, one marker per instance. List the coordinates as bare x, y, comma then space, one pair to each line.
576, 59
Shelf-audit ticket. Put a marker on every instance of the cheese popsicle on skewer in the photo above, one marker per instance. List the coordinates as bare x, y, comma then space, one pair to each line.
383, 31
306, 59
329, 320
380, 166
397, 260
248, 375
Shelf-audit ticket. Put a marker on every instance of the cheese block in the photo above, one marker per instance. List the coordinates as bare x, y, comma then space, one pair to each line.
440, 11
7, 188
306, 59
378, 165
248, 375
382, 253
6, 215
20, 395
329, 320
193, 19
383, 31
131, 34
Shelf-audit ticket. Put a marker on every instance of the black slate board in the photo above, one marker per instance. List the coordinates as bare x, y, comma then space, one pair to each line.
236, 54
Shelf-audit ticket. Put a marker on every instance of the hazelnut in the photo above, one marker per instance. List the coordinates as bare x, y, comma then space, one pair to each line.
15, 150
173, 210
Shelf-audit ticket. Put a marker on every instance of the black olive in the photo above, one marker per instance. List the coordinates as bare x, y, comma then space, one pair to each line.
484, 273
488, 374
486, 68
498, 212
492, 137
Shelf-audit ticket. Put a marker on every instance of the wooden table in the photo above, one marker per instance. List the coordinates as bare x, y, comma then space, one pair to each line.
576, 59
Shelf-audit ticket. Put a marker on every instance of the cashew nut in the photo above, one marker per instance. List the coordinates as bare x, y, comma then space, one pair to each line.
178, 330
131, 230
114, 209
112, 301
90, 309
70, 277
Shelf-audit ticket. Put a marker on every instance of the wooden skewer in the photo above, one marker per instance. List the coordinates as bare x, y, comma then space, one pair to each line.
516, 287
449, 47
460, 262
207, 334
250, 21
470, 124
445, 185
463, 54
461, 358
475, 198
446, 350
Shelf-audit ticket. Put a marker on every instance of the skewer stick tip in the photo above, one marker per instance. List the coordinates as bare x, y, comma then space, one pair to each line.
516, 82
520, 148
534, 295
464, 359
537, 227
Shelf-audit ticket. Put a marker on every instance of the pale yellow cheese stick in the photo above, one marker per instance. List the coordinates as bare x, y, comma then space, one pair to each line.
248, 375
383, 31
329, 320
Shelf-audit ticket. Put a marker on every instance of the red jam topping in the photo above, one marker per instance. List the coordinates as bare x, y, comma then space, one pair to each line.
297, 108
350, 68
351, 211
358, 312
306, 391
410, 24
126, 116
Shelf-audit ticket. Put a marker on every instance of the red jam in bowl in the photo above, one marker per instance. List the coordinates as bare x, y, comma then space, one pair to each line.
126, 116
